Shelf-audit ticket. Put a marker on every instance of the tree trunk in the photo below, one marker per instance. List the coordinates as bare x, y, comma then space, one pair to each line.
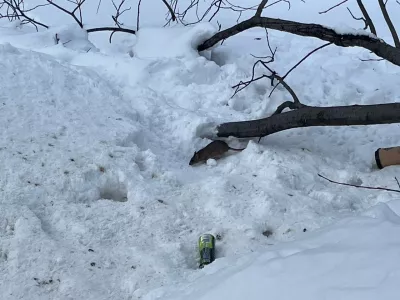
313, 116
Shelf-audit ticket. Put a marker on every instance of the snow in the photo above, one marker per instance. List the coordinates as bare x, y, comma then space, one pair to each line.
176, 42
345, 29
98, 200
341, 261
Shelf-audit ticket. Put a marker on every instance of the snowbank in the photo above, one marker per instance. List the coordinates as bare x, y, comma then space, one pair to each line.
97, 197
357, 258
176, 42
70, 37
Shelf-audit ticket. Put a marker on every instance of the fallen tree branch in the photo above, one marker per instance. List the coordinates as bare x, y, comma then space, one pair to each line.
389, 23
360, 186
126, 30
309, 117
377, 46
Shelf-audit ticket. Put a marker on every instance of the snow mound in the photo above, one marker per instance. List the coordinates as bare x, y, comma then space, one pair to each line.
176, 42
73, 37
353, 259
68, 36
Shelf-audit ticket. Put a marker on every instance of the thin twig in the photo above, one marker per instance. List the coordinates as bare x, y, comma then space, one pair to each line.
243, 84
72, 14
360, 186
359, 19
296, 65
138, 15
305, 57
118, 12
79, 5
35, 7
171, 11
397, 181
98, 7
329, 9
213, 8
15, 10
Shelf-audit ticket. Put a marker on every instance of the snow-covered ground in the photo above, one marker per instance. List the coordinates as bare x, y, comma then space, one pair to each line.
98, 200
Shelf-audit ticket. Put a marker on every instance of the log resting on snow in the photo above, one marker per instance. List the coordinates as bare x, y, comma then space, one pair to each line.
313, 116
370, 42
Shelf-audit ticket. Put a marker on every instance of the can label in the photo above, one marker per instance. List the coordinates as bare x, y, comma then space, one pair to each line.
206, 249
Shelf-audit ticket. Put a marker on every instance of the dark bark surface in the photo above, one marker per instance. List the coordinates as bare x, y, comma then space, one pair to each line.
377, 46
313, 116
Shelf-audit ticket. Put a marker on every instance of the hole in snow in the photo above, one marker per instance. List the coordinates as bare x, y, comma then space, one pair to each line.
114, 191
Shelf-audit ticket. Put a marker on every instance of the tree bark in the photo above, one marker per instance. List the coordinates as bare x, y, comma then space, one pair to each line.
368, 19
389, 23
377, 46
313, 116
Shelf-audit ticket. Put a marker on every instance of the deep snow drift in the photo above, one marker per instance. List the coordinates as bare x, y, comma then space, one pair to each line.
98, 200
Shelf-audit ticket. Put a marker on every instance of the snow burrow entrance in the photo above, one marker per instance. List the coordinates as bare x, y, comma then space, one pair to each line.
115, 191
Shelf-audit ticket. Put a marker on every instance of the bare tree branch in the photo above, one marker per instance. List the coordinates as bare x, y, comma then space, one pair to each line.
367, 18
360, 186
126, 30
171, 11
377, 46
98, 7
138, 15
118, 12
260, 8
329, 9
214, 7
79, 4
303, 59
389, 23
16, 11
115, 17
359, 19
71, 13
243, 84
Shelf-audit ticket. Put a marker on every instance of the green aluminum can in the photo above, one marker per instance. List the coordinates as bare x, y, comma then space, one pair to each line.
206, 249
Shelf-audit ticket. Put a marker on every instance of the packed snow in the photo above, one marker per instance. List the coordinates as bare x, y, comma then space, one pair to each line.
98, 200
